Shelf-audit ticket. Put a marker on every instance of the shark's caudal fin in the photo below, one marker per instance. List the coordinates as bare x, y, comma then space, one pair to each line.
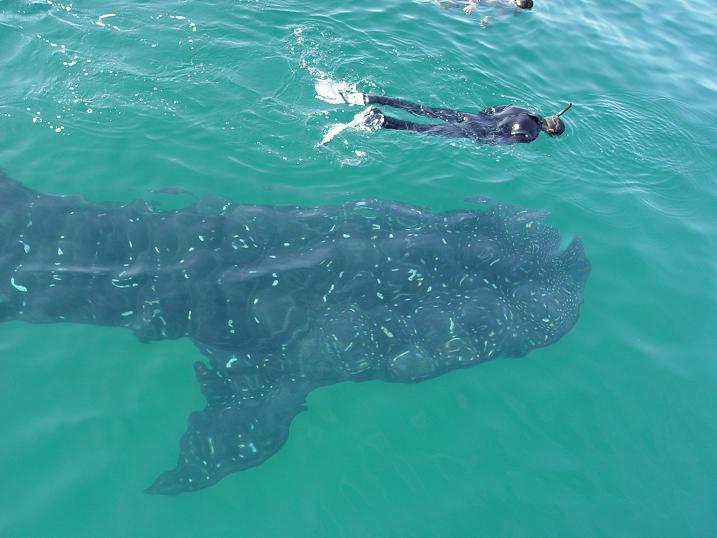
243, 424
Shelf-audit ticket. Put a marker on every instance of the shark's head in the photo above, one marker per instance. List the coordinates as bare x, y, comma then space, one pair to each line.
472, 287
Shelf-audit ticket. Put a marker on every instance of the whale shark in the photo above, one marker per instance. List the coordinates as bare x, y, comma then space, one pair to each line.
280, 300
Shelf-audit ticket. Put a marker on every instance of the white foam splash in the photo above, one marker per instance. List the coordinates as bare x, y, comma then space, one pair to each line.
100, 22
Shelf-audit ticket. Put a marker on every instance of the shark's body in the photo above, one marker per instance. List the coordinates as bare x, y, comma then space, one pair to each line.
281, 300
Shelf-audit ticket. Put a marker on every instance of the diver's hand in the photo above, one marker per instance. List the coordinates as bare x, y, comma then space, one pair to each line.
470, 6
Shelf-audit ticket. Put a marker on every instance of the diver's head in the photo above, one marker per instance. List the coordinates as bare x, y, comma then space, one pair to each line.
553, 125
524, 4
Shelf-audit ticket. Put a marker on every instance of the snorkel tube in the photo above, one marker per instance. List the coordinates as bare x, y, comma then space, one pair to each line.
563, 111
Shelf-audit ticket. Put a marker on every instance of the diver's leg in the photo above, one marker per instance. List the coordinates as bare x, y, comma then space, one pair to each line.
403, 125
446, 114
450, 130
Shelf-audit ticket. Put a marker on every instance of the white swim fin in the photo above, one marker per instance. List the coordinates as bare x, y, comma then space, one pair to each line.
368, 119
338, 92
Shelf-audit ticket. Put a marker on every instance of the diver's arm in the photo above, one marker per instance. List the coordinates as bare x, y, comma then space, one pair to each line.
470, 6
504, 12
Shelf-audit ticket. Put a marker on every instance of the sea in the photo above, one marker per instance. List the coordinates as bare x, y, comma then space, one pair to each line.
610, 432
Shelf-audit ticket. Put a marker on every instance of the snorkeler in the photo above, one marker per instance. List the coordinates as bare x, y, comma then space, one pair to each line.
506, 124
470, 5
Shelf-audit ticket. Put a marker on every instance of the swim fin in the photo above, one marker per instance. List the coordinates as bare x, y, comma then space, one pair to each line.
338, 92
370, 118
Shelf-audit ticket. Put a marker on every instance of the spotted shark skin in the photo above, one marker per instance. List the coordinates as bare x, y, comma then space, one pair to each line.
281, 300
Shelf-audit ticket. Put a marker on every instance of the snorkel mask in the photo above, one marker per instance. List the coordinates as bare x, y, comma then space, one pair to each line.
554, 126
524, 4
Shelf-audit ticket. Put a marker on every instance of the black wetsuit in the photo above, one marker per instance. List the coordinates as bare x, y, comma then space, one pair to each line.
505, 124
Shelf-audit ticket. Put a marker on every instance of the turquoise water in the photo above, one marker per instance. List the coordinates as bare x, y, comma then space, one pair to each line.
609, 432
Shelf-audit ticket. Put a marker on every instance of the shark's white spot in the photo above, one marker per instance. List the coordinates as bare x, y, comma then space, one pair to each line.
18, 287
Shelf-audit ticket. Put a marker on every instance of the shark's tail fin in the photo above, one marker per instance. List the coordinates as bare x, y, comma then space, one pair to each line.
243, 424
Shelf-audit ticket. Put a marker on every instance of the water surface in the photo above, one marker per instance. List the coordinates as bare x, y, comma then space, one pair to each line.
609, 432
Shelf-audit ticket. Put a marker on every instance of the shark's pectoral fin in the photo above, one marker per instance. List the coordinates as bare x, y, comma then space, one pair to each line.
244, 423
